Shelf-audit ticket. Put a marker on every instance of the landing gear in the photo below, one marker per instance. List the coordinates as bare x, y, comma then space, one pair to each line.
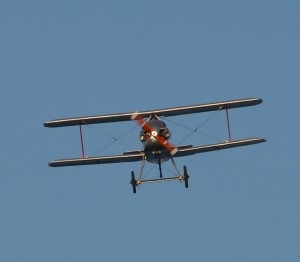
133, 182
185, 177
180, 177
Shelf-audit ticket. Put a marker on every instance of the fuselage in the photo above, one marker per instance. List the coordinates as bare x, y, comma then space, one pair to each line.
154, 151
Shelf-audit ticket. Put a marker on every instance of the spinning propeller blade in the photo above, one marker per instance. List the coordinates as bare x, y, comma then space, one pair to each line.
162, 140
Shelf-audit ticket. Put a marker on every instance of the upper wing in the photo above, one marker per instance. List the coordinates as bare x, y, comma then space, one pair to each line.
98, 160
214, 147
161, 112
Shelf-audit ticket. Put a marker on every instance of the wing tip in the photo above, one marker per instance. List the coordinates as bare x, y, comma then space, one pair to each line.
52, 164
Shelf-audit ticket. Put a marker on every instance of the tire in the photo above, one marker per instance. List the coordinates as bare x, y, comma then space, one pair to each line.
185, 177
133, 182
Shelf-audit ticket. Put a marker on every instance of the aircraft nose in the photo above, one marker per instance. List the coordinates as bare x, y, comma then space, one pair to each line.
154, 133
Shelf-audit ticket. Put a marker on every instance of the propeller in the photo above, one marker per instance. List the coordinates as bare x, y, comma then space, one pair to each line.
162, 140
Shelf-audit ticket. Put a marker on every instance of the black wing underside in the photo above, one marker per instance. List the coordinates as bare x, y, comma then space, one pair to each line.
98, 160
219, 146
139, 155
161, 112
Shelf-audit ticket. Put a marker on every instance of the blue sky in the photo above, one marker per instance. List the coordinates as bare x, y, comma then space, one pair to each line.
77, 58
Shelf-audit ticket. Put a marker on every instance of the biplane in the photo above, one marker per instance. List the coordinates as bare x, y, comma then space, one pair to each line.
155, 137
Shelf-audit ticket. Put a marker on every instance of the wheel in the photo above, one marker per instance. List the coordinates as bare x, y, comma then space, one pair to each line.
185, 177
133, 182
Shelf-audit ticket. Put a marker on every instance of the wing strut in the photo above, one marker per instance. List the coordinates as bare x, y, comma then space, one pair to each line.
228, 125
81, 141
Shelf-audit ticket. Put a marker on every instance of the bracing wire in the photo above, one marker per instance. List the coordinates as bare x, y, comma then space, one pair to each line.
169, 170
148, 172
196, 130
113, 138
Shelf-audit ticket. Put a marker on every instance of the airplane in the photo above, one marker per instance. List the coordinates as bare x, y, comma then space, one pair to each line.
155, 136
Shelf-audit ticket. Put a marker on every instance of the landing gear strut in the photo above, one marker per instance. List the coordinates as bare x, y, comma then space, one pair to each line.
160, 171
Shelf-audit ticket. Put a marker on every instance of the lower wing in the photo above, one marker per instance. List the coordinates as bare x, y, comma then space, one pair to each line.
97, 160
219, 146
139, 155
